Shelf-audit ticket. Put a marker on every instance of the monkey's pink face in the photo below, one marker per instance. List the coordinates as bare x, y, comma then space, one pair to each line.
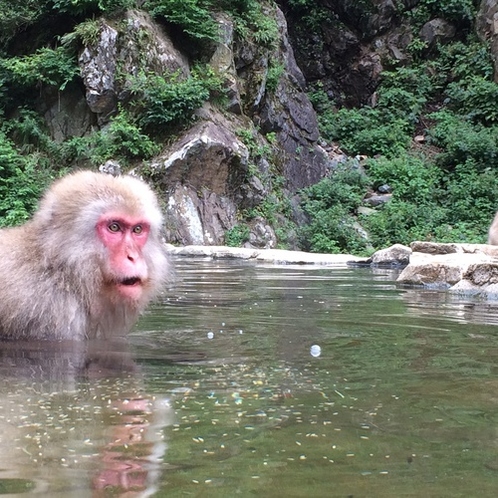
124, 239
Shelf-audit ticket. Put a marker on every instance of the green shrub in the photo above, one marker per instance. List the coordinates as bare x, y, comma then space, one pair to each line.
345, 187
79, 7
17, 15
126, 139
431, 204
21, 184
458, 60
162, 101
402, 222
367, 130
193, 17
87, 32
399, 104
415, 80
330, 206
461, 141
411, 178
29, 132
472, 195
122, 139
332, 231
275, 71
54, 67
475, 98
237, 235
453, 10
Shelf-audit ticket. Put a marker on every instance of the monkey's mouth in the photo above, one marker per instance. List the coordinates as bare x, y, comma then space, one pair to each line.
130, 281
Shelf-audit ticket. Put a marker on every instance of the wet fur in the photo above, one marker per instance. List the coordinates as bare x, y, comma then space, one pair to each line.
55, 269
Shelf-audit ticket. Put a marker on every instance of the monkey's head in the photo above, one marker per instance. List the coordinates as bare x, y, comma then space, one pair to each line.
106, 231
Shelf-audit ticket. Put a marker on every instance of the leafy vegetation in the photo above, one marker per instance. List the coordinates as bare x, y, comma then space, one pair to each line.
444, 189
331, 206
444, 185
160, 100
193, 17
155, 105
56, 67
237, 235
21, 183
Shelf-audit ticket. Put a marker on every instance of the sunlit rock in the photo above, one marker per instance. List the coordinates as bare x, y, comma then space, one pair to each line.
98, 71
275, 256
201, 173
437, 270
480, 279
396, 255
468, 268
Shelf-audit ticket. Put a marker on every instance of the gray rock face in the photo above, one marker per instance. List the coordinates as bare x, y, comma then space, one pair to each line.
198, 218
207, 155
139, 45
67, 114
98, 70
354, 42
286, 111
200, 174
143, 45
224, 64
437, 30
204, 172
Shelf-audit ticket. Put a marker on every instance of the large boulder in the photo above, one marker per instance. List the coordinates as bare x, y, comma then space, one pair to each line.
469, 268
395, 256
138, 45
284, 109
98, 70
437, 31
438, 270
200, 175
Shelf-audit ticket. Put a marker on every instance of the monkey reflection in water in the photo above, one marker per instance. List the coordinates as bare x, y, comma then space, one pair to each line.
77, 419
86, 264
81, 270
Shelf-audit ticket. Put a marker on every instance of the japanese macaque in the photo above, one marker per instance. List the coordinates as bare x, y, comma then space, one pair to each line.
493, 232
86, 264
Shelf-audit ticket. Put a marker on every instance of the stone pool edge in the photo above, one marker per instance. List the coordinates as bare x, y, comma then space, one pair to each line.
276, 256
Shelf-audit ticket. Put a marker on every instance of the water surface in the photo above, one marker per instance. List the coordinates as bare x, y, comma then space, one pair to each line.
262, 380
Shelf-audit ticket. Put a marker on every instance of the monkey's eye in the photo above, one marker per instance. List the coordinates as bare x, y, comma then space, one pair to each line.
138, 229
113, 227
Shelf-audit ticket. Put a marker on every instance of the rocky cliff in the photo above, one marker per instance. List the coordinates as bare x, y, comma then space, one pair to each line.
260, 143
254, 143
